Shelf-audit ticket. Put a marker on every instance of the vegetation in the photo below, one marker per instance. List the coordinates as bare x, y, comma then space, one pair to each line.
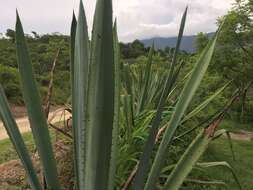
147, 115
218, 151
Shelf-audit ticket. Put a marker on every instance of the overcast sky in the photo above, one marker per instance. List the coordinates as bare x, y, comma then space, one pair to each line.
136, 18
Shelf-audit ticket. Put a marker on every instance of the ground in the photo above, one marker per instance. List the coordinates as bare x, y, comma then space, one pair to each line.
56, 115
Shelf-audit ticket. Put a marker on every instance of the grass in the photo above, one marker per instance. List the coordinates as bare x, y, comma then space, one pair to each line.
233, 125
8, 152
219, 150
243, 165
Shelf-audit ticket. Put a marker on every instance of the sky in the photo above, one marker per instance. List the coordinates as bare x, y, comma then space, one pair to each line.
137, 19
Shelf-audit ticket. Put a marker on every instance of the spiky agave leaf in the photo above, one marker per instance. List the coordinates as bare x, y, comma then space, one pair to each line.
117, 74
79, 104
139, 180
72, 60
34, 109
72, 50
17, 141
100, 98
189, 160
147, 73
184, 100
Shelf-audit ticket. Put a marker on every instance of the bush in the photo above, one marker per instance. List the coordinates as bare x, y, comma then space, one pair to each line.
9, 78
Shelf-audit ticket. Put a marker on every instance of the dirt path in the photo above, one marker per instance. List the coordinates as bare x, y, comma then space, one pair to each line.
24, 126
57, 115
242, 135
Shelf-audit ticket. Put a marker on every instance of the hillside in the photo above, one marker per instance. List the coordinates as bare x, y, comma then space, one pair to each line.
188, 42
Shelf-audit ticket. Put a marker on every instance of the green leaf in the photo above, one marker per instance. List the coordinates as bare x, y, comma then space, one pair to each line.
139, 180
144, 89
72, 51
72, 63
174, 59
184, 100
17, 141
100, 99
79, 104
201, 106
117, 74
37, 118
187, 161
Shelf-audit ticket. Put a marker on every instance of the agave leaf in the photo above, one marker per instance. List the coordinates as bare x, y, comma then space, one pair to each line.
147, 73
17, 141
128, 112
201, 106
174, 59
72, 50
127, 79
117, 74
100, 98
187, 161
184, 100
139, 180
81, 69
221, 164
72, 61
37, 118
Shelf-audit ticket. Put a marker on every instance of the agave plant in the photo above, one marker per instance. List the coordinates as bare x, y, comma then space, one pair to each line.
96, 103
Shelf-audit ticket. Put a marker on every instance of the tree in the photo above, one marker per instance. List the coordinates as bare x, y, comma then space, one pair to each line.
132, 50
234, 57
10, 34
236, 38
35, 34
201, 41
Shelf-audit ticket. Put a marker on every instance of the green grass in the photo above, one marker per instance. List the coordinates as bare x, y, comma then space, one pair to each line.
7, 150
233, 125
219, 150
243, 164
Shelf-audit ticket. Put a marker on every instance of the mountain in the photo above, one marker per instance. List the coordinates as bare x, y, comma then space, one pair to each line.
188, 42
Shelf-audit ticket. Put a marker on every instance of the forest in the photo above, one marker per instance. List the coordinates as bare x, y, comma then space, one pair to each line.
141, 117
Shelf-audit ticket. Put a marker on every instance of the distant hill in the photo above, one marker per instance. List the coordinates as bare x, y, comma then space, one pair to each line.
188, 42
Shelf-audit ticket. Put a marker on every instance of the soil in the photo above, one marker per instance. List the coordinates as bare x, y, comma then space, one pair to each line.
20, 111
13, 175
242, 135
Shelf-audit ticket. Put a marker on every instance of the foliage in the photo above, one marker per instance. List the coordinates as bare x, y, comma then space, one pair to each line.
218, 151
201, 41
10, 80
149, 115
236, 39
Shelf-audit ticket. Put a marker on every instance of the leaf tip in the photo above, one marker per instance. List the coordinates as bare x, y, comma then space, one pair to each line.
81, 7
115, 23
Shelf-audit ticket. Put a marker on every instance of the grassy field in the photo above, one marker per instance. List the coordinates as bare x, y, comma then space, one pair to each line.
219, 150
243, 164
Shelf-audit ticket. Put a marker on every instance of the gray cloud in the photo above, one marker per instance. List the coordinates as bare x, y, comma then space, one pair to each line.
136, 18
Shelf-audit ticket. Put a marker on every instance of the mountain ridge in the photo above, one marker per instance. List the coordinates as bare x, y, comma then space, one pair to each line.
187, 44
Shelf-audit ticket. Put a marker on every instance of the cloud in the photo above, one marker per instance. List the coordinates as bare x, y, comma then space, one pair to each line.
137, 18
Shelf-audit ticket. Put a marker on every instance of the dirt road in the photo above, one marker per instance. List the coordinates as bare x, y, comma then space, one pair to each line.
24, 126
